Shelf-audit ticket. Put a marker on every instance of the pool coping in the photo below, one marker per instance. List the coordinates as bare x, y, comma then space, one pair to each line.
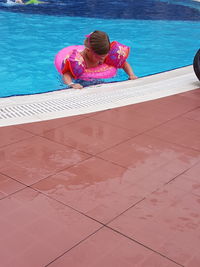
64, 103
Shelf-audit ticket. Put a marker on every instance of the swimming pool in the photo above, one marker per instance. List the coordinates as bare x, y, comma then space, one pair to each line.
33, 35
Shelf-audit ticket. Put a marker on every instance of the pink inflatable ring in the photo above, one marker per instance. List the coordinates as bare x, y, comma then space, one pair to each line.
102, 71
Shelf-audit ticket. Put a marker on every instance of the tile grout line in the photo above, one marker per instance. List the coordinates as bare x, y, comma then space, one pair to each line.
16, 142
147, 247
77, 244
146, 133
59, 201
183, 172
114, 230
169, 142
151, 128
110, 228
103, 225
55, 128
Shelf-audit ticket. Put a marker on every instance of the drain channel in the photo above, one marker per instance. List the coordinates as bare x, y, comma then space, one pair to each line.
73, 102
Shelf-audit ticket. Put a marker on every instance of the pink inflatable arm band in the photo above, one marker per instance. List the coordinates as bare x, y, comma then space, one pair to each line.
117, 55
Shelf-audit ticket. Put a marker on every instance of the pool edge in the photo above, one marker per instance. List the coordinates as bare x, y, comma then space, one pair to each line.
70, 102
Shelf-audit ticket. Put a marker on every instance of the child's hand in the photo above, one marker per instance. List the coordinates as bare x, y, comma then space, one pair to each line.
76, 86
132, 77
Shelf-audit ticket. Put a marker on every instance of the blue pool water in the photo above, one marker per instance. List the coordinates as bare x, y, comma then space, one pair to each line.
160, 40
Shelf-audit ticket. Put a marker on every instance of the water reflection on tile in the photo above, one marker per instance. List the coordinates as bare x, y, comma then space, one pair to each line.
31, 160
144, 185
89, 135
44, 126
144, 153
96, 187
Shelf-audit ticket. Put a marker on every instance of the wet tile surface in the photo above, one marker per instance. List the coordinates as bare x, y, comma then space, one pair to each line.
182, 131
144, 154
114, 188
33, 159
193, 115
10, 135
8, 186
117, 251
146, 115
89, 135
164, 221
41, 127
34, 229
96, 187
128, 118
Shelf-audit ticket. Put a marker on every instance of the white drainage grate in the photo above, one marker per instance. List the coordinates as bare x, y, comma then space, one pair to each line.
69, 103
73, 102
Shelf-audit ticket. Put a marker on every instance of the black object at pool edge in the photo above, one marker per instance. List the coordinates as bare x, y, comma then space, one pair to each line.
196, 64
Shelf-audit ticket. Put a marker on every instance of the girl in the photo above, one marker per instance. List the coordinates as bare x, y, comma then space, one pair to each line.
98, 50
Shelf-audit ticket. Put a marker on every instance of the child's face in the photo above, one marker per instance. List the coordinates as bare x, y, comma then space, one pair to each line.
95, 57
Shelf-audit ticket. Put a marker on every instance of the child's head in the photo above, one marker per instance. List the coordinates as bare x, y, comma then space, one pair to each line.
97, 46
98, 42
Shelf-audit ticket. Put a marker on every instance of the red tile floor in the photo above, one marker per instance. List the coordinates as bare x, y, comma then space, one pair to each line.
116, 188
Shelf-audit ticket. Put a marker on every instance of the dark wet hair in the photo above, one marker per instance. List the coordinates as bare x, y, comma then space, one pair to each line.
99, 42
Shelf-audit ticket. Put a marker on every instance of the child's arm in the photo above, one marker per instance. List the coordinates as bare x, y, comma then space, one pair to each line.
67, 78
127, 68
